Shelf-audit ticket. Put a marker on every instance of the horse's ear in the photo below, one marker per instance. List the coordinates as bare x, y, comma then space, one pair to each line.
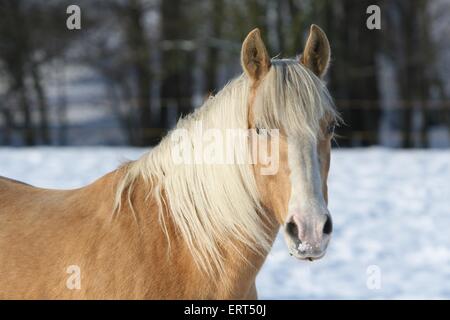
316, 55
254, 57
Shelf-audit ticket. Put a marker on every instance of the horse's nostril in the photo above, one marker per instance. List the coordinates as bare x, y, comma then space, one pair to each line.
328, 226
291, 229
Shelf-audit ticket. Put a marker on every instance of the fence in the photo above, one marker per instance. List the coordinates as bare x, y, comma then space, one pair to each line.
366, 122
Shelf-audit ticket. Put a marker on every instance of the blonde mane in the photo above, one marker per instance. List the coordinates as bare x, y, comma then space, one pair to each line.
215, 203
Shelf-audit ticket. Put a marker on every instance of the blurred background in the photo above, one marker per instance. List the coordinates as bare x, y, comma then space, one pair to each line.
136, 66
112, 89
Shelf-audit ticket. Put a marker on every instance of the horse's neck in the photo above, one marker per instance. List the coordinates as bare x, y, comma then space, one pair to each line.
241, 269
172, 263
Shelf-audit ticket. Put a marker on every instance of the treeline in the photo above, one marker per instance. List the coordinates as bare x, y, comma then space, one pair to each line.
159, 59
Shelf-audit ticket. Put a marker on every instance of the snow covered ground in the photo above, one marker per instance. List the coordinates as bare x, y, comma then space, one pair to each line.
391, 212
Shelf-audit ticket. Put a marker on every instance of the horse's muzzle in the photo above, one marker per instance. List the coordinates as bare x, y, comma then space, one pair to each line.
308, 236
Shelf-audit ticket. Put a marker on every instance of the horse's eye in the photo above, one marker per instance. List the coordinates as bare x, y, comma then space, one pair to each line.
331, 127
258, 130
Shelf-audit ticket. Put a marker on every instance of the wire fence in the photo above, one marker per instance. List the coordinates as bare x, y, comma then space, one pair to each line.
357, 116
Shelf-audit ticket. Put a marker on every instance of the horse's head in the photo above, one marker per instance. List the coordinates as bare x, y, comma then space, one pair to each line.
290, 96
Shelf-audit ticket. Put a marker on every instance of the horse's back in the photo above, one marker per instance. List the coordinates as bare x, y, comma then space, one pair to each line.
8, 187
40, 230
9, 180
47, 235
13, 195
19, 199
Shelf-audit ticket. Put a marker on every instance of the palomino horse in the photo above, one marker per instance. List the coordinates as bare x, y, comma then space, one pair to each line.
158, 229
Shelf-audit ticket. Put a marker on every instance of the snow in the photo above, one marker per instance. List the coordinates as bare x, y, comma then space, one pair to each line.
305, 247
391, 215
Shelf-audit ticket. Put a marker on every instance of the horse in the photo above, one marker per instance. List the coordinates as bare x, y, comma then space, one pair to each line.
155, 228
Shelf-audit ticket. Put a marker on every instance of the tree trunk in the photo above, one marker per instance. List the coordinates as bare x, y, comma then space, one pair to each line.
176, 85
42, 104
6, 133
140, 57
353, 78
27, 129
212, 63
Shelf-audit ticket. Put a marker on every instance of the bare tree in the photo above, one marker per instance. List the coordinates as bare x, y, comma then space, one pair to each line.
176, 86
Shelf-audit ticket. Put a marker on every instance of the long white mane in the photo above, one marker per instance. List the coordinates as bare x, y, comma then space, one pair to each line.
215, 203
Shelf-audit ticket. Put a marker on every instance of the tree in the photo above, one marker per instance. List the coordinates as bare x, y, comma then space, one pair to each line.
177, 57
